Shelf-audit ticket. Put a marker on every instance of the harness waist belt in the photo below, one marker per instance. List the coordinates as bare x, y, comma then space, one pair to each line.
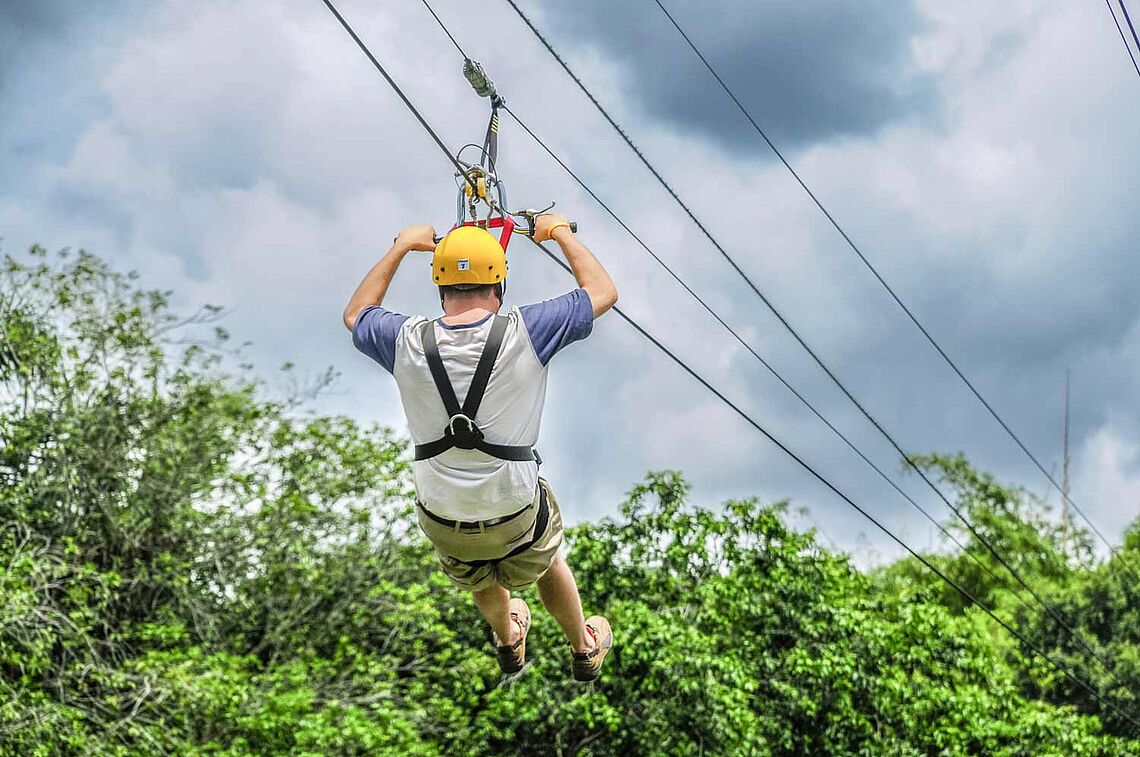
471, 525
541, 521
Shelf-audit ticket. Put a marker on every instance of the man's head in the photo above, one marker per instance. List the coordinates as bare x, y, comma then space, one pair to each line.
470, 268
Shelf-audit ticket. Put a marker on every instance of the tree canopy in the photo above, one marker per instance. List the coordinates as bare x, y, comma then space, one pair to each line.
193, 565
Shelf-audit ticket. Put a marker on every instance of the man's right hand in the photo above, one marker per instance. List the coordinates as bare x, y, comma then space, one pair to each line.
587, 270
420, 238
545, 224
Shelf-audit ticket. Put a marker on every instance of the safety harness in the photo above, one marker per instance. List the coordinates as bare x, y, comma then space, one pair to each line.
480, 183
461, 431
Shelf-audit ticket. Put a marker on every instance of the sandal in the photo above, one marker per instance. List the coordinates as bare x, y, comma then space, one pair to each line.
512, 657
587, 665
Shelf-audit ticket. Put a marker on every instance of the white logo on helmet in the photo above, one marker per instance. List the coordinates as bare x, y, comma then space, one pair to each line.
464, 264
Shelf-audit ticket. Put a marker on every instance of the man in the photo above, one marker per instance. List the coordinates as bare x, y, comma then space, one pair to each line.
493, 521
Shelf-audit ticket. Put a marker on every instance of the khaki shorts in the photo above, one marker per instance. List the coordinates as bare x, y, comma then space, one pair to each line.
474, 559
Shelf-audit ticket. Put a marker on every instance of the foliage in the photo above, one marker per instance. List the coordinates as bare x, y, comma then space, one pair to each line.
192, 567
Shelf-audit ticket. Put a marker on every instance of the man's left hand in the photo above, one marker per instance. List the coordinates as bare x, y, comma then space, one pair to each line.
545, 224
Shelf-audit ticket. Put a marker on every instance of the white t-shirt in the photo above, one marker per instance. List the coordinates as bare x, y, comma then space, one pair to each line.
468, 484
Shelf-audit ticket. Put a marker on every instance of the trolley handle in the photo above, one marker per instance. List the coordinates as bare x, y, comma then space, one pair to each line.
529, 232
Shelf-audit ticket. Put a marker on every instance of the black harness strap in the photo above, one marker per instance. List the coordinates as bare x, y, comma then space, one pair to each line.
484, 367
461, 430
439, 373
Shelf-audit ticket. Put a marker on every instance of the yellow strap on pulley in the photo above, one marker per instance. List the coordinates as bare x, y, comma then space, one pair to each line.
480, 180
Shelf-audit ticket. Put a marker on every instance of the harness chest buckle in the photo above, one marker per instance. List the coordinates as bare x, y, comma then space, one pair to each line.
466, 435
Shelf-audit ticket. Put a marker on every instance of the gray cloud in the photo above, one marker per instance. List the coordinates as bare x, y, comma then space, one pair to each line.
24, 21
808, 71
51, 52
27, 25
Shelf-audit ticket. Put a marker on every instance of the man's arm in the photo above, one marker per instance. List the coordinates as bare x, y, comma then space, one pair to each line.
587, 270
372, 289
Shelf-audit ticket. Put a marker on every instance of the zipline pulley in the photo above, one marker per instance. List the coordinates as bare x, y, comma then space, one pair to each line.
479, 183
481, 83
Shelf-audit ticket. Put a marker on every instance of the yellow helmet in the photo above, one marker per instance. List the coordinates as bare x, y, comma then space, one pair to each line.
468, 255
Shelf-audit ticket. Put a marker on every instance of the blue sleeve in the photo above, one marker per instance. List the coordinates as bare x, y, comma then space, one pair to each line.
554, 324
375, 334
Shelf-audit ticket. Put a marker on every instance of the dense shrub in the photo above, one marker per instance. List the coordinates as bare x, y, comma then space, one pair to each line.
192, 567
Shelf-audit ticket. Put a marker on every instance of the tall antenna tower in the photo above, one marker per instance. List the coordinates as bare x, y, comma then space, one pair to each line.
1065, 472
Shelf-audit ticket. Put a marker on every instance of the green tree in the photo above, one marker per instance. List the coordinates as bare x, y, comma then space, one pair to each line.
179, 546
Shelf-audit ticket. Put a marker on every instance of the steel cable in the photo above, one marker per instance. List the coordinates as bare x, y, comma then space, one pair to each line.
966, 594
779, 316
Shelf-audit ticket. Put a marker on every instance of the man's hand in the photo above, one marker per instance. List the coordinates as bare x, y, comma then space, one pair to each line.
420, 238
545, 224
372, 289
587, 270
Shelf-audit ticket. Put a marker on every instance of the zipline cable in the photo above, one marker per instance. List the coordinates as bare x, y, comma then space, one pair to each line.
1124, 39
1049, 610
748, 115
966, 594
1104, 664
1128, 20
1131, 28
446, 31
763, 298
396, 88
1099, 657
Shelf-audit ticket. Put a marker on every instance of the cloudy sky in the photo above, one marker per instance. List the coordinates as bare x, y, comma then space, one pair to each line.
983, 154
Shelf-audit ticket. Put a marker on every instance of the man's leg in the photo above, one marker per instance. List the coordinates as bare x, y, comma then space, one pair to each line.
494, 603
559, 595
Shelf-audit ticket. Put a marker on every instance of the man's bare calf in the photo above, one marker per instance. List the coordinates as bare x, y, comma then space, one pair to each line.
559, 594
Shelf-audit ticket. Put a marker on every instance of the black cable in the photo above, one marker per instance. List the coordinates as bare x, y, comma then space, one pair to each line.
966, 594
802, 463
392, 83
1104, 663
732, 262
1131, 28
866, 413
396, 88
439, 21
875, 271
1123, 39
